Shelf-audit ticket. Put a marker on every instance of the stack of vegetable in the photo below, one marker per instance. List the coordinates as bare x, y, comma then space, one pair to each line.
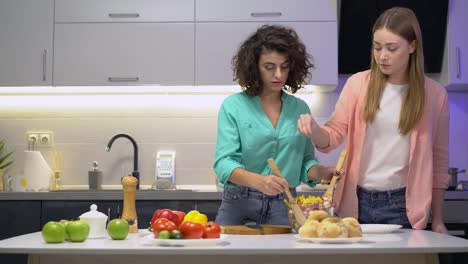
169, 224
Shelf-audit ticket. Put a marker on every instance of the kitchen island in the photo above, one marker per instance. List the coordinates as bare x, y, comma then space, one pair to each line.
402, 246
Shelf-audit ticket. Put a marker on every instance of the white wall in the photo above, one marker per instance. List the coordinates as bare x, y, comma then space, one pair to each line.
83, 125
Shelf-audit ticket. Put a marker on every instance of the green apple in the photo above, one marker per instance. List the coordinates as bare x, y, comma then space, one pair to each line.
65, 223
53, 232
77, 231
118, 229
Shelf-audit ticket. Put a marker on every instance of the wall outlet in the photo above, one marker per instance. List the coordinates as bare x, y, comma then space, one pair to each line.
40, 138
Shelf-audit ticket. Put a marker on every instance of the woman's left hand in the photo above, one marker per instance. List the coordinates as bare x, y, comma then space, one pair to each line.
439, 227
320, 173
327, 172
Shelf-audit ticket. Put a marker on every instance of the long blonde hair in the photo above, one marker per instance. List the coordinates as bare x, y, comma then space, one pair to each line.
402, 22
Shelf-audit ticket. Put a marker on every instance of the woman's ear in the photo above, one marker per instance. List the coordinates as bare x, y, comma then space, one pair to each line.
412, 47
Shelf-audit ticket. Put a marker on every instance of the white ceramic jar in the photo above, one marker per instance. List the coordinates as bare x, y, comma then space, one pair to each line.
96, 221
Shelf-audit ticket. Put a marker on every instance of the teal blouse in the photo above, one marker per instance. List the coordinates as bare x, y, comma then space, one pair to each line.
246, 139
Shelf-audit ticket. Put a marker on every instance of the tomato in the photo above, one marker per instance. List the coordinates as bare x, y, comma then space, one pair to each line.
162, 224
164, 213
191, 230
155, 216
211, 230
180, 217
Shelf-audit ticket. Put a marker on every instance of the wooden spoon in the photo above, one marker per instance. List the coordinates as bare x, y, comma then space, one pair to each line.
298, 214
329, 193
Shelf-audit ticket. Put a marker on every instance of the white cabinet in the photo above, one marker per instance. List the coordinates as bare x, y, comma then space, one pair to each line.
26, 34
216, 44
123, 10
150, 42
222, 25
123, 54
456, 68
125, 42
266, 10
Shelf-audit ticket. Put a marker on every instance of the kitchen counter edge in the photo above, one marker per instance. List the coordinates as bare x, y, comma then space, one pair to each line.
154, 195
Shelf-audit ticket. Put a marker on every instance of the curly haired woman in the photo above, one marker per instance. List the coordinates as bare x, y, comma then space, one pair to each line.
260, 123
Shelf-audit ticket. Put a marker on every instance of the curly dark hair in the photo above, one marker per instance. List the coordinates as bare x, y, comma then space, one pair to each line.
272, 38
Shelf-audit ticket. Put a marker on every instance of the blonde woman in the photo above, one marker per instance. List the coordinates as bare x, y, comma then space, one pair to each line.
396, 120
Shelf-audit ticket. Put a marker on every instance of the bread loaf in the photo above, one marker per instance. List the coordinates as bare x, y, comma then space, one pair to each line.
318, 215
353, 226
332, 227
320, 225
309, 229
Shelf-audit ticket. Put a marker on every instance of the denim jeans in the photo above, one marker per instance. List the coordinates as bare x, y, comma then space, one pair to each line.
242, 204
383, 207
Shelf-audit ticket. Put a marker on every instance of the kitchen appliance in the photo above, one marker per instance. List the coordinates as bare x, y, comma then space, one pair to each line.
165, 168
453, 172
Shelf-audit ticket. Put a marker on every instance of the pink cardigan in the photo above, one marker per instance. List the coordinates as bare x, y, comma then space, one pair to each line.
428, 167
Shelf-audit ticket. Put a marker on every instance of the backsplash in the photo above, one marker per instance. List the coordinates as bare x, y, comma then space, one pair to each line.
81, 134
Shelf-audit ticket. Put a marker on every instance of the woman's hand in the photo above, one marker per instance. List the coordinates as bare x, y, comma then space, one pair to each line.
438, 226
319, 173
273, 185
306, 125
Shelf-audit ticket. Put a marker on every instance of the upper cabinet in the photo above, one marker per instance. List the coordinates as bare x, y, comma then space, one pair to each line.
88, 54
68, 11
151, 42
456, 68
265, 10
222, 25
26, 34
124, 42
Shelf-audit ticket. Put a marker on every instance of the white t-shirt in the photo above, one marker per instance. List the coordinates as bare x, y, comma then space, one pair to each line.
385, 157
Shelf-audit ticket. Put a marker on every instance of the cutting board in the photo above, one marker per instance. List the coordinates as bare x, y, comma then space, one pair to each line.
244, 230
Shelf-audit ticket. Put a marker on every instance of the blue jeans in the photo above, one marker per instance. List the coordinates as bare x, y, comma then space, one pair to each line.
383, 207
243, 204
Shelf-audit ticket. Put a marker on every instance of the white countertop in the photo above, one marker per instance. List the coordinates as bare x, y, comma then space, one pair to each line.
399, 242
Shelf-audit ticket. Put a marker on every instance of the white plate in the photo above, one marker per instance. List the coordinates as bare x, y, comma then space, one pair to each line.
379, 228
149, 240
345, 240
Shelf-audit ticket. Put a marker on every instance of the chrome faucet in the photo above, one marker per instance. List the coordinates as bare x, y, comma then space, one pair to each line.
135, 172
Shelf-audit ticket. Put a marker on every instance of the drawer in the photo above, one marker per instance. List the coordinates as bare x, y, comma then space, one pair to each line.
124, 10
266, 10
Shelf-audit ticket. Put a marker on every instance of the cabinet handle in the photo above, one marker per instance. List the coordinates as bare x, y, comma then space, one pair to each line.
44, 65
266, 14
123, 15
457, 61
123, 79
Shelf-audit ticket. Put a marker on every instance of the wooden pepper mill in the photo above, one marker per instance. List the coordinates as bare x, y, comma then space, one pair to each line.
129, 184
